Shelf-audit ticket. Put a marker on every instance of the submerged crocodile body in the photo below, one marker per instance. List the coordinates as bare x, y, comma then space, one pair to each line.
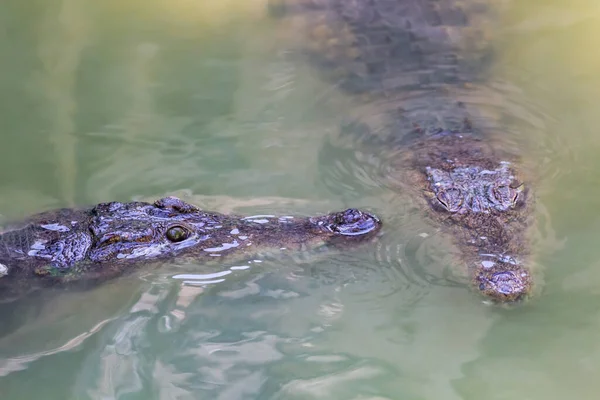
99, 243
417, 70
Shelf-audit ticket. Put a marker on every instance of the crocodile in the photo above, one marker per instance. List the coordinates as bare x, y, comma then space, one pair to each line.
417, 73
95, 244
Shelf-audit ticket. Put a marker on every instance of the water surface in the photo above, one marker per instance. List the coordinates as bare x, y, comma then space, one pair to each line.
133, 100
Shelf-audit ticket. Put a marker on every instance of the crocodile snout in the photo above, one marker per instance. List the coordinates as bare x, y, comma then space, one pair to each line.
505, 286
350, 222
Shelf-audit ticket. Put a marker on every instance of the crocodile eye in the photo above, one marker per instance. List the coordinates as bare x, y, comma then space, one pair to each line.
177, 234
450, 199
517, 192
505, 195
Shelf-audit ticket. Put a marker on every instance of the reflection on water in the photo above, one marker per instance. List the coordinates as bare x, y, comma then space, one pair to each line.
205, 100
62, 38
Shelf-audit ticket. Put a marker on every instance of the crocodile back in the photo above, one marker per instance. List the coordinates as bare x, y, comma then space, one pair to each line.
382, 46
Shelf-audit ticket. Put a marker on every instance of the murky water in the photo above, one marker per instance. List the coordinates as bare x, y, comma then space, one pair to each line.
126, 100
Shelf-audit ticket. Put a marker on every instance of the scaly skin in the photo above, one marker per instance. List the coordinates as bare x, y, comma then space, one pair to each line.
417, 70
378, 47
102, 242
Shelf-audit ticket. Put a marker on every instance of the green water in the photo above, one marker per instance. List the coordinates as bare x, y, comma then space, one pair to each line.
125, 100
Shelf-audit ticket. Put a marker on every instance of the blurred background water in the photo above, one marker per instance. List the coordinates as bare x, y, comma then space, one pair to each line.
133, 100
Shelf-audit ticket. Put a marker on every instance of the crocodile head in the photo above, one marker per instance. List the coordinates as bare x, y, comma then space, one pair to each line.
136, 230
485, 206
93, 245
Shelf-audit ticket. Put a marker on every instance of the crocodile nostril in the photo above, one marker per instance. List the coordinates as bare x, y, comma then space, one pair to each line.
351, 222
505, 286
349, 216
356, 222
